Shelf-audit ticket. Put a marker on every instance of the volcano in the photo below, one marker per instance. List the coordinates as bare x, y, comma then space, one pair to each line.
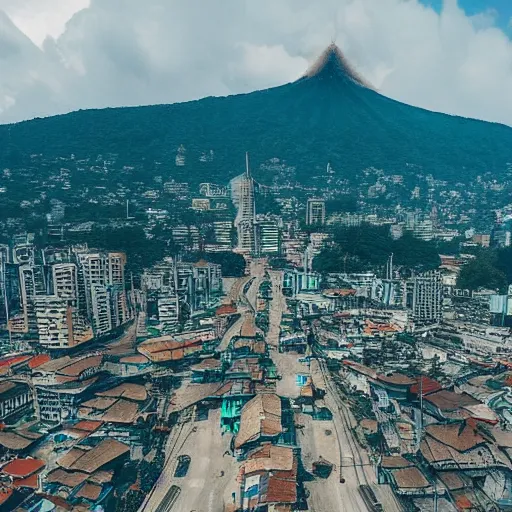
331, 114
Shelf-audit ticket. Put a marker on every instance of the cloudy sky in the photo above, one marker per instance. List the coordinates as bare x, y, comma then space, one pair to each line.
62, 55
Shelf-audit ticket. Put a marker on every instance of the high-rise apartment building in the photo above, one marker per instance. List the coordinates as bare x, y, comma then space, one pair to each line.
315, 212
424, 296
268, 237
424, 230
244, 221
223, 231
65, 281
104, 282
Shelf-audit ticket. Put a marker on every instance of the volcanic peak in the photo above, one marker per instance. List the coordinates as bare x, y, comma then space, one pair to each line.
332, 64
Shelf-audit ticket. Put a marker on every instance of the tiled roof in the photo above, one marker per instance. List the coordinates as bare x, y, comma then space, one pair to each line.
77, 368
460, 436
101, 477
360, 368
451, 480
395, 461
21, 468
207, 364
123, 411
13, 361
482, 412
397, 379
88, 425
137, 359
13, 441
68, 459
186, 396
66, 478
446, 457
167, 349
32, 481
428, 385
70, 367
226, 309
280, 490
91, 460
127, 390
261, 416
269, 458
37, 361
410, 478
100, 403
89, 491
446, 400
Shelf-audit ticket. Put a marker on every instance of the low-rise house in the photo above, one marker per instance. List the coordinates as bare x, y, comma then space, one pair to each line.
246, 368
260, 421
166, 349
15, 401
21, 440
121, 405
245, 347
405, 478
447, 405
269, 479
85, 473
293, 342
208, 370
62, 384
396, 384
24, 473
460, 446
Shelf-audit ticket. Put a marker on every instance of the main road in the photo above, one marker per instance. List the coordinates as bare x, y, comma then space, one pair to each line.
333, 440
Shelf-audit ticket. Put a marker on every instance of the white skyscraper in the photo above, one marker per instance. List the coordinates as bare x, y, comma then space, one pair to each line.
315, 214
244, 221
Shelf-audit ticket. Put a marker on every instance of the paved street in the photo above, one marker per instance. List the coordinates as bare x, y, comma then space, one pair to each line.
211, 477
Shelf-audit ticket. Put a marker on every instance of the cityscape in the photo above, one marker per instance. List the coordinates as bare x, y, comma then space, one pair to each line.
182, 335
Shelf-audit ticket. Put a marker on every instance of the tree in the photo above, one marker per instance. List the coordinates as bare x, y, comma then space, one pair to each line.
483, 272
435, 370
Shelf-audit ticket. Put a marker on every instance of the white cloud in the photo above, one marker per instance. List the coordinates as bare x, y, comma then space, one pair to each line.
128, 52
39, 19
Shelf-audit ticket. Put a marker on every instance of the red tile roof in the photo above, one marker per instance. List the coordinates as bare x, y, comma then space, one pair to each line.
463, 503
21, 468
38, 360
428, 386
31, 481
5, 494
12, 361
281, 491
227, 309
88, 425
